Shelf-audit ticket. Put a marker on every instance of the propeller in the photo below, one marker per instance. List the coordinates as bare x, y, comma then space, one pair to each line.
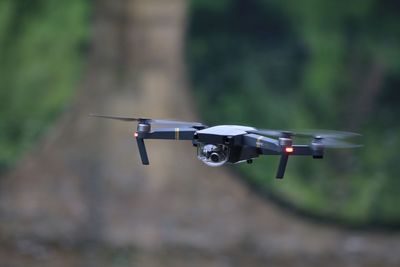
150, 121
334, 143
306, 133
325, 138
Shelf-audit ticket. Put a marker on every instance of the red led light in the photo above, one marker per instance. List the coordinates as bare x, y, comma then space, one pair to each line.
136, 134
289, 149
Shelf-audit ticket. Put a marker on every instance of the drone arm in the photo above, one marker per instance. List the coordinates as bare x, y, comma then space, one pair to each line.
168, 133
301, 150
172, 134
268, 146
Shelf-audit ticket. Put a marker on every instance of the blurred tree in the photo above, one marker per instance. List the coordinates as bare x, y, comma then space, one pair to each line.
308, 64
40, 61
85, 176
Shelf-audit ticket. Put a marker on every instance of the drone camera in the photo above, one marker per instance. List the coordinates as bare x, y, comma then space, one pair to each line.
213, 155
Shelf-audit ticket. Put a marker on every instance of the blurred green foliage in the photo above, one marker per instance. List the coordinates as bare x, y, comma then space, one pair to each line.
41, 43
308, 64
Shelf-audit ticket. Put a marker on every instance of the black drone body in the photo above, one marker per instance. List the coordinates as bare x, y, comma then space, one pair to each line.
222, 144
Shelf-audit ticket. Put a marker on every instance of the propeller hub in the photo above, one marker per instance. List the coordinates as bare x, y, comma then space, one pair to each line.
318, 139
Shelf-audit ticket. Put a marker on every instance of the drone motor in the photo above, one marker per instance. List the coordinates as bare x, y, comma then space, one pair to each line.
317, 147
143, 128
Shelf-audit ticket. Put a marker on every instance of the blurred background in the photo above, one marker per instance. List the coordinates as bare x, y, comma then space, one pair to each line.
73, 191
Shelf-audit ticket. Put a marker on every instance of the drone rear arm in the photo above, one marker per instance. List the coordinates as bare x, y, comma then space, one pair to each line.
269, 146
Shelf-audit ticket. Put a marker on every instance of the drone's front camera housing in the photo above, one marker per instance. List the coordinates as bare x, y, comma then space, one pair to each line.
213, 155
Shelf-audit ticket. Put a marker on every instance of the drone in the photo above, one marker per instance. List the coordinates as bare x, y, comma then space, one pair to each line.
222, 144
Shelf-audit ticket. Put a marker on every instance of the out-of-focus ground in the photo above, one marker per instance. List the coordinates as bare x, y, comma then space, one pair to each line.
81, 198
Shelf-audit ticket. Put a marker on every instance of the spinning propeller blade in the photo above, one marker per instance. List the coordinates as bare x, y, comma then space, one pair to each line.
334, 143
326, 138
120, 118
306, 133
149, 121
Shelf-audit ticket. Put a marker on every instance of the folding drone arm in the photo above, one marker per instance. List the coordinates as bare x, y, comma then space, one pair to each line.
170, 134
269, 146
163, 133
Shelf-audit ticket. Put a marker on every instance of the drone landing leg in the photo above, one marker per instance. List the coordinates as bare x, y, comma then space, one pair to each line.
142, 151
282, 166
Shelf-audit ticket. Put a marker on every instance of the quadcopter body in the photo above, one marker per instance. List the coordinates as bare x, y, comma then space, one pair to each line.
218, 145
